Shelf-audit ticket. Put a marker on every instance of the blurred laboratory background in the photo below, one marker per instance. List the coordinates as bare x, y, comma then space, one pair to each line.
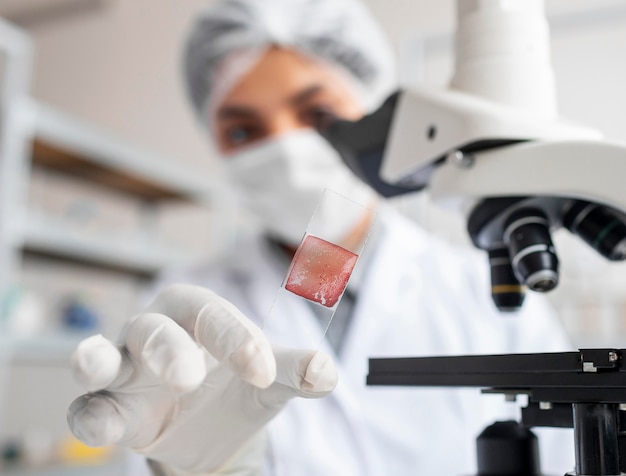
106, 180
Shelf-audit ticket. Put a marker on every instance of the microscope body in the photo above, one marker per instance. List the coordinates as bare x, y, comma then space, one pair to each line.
492, 147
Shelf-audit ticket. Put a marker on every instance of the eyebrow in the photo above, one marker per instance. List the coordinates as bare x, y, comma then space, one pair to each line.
244, 112
305, 94
236, 112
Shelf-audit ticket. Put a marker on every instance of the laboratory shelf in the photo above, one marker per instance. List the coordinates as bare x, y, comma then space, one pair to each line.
51, 348
131, 254
41, 150
112, 469
77, 147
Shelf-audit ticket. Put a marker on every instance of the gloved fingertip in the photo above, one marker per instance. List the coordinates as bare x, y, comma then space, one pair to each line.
321, 374
96, 362
187, 371
95, 421
255, 363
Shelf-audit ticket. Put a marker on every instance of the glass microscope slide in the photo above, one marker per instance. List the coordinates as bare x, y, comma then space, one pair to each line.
321, 268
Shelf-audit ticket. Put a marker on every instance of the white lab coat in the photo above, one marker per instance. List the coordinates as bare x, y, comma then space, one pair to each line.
417, 297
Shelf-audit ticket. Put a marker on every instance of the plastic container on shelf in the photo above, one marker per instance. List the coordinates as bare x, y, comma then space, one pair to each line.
22, 313
85, 207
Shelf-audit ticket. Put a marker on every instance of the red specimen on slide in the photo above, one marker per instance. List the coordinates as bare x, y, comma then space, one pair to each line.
320, 271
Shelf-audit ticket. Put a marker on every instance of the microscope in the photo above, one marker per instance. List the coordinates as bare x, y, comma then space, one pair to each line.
492, 147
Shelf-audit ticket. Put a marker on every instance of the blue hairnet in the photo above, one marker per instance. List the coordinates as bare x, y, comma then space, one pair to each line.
341, 32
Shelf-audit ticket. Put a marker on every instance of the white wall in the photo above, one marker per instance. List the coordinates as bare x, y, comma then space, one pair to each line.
119, 67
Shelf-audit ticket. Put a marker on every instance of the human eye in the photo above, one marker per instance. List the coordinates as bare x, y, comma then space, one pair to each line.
319, 116
239, 135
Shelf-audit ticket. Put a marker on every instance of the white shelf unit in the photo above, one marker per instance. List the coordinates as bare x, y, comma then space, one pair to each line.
112, 469
35, 136
50, 348
55, 239
70, 146
70, 142
16, 58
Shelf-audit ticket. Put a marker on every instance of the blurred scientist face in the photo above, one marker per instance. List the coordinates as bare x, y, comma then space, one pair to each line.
284, 91
266, 128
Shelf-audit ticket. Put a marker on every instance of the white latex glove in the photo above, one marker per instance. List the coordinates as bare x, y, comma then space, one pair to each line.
191, 385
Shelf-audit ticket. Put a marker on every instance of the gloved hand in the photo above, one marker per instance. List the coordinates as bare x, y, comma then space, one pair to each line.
192, 384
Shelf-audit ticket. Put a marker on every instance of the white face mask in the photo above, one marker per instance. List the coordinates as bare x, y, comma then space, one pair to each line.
281, 182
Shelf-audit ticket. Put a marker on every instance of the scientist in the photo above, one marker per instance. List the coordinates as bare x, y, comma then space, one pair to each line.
198, 388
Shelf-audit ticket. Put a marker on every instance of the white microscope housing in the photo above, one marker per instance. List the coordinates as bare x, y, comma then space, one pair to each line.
492, 147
